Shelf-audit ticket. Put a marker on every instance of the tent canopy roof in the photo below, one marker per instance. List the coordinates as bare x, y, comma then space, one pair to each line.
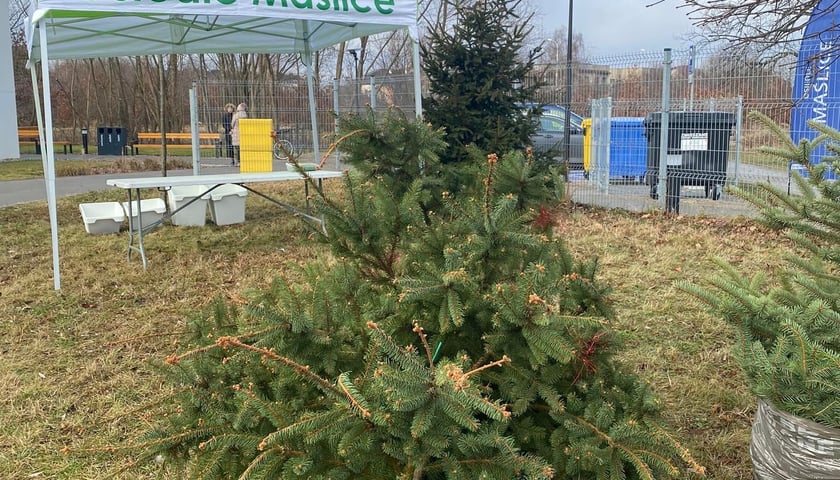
114, 28
64, 29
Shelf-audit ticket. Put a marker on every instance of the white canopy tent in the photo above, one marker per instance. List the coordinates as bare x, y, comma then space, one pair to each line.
66, 29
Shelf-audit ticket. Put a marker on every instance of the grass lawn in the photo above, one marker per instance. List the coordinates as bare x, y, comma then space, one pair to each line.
77, 363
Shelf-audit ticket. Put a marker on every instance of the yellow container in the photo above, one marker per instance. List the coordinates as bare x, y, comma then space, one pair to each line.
587, 142
255, 145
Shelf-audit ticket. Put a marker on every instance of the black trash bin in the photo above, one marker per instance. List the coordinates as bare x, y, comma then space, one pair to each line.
110, 140
698, 151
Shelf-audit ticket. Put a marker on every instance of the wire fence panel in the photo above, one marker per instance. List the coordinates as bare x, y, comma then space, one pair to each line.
286, 102
712, 142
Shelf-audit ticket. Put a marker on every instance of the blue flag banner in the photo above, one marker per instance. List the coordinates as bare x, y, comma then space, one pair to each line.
816, 85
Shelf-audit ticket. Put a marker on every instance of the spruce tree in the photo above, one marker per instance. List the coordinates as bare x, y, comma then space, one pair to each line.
463, 344
478, 80
790, 325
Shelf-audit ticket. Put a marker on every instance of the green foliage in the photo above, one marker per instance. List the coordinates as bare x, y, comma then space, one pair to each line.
790, 328
462, 344
403, 154
473, 66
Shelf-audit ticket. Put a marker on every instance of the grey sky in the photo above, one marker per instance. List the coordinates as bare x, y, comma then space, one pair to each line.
614, 27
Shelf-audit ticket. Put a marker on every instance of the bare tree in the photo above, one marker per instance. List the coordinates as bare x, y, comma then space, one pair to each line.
770, 28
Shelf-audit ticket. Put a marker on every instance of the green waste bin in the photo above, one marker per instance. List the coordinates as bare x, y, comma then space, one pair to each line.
110, 140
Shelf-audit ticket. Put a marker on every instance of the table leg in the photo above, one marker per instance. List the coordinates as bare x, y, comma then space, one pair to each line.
130, 224
135, 228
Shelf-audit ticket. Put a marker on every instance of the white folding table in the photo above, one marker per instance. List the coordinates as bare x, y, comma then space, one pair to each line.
134, 185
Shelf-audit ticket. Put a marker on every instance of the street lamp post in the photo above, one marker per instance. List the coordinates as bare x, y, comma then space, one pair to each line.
567, 124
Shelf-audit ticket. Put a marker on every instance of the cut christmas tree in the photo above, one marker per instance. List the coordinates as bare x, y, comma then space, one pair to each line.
789, 323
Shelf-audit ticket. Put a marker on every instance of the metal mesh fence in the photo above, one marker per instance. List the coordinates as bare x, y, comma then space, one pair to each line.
286, 103
711, 142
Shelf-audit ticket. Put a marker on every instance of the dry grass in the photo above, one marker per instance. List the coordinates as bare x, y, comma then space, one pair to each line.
76, 363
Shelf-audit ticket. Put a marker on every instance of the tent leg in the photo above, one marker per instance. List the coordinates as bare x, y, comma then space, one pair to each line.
418, 94
48, 149
306, 56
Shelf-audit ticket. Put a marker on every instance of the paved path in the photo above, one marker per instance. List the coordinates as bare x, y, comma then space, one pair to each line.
13, 192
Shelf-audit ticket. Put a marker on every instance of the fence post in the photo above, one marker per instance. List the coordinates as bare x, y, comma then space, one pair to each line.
196, 145
663, 131
691, 52
738, 125
373, 93
337, 108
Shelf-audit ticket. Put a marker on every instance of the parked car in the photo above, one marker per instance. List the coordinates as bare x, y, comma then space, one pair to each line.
559, 111
548, 139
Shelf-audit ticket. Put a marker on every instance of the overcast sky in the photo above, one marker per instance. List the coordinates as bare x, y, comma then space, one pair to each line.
614, 27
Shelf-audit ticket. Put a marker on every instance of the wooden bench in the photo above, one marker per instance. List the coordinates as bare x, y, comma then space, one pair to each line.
173, 140
29, 136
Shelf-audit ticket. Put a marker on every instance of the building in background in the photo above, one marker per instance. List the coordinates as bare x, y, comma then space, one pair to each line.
9, 147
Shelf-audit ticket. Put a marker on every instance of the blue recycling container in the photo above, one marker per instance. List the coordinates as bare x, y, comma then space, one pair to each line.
628, 147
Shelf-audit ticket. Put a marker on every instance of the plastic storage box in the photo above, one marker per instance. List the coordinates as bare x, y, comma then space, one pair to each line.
102, 217
151, 211
227, 204
194, 214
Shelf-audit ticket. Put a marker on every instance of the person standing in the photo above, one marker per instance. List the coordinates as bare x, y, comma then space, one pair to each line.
227, 118
241, 112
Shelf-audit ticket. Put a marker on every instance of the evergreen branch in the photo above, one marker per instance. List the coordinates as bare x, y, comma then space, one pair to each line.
683, 452
429, 356
408, 362
302, 370
830, 406
498, 363
795, 330
172, 439
371, 360
552, 398
333, 146
641, 467
418, 469
352, 394
240, 440
259, 461
492, 159
176, 359
330, 419
263, 406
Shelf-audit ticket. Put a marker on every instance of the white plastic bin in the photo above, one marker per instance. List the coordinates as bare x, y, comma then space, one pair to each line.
195, 214
227, 204
102, 217
151, 211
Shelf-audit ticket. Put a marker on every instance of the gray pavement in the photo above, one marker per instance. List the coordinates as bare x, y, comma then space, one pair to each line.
633, 197
13, 192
